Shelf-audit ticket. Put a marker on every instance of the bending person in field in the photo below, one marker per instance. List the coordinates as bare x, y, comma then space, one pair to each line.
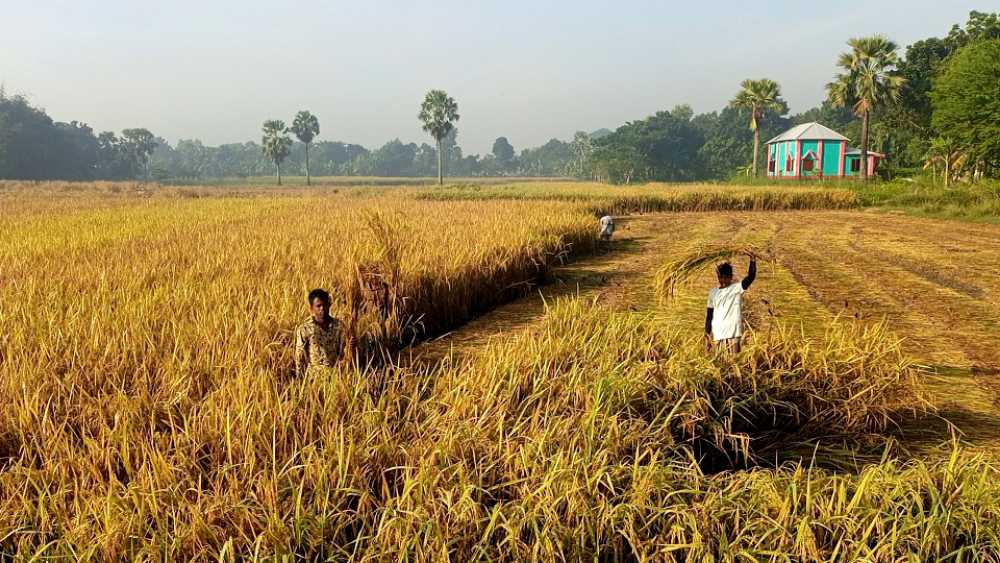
607, 227
724, 318
319, 341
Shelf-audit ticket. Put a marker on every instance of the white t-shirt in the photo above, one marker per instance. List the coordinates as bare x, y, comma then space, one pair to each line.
727, 317
607, 225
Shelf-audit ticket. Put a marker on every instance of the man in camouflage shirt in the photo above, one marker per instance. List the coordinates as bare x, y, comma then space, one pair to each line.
319, 340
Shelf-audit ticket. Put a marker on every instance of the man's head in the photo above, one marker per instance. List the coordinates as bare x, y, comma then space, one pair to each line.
319, 304
725, 273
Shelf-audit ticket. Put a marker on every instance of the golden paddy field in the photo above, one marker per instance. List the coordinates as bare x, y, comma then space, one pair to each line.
525, 394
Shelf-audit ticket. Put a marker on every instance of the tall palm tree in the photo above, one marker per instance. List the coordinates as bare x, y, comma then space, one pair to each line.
275, 144
305, 127
869, 81
759, 97
438, 112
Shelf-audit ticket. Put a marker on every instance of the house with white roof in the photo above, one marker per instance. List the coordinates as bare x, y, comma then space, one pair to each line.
812, 150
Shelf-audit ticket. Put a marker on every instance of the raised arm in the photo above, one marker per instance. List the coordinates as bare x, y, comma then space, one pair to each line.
751, 275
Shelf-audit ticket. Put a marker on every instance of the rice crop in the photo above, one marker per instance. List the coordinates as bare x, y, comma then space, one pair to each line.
681, 270
615, 200
185, 256
578, 440
151, 414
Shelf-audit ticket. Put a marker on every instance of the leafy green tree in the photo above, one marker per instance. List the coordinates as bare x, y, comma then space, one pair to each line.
759, 97
193, 159
424, 160
451, 153
728, 146
306, 128
504, 153
438, 113
275, 144
981, 26
966, 101
139, 145
34, 147
683, 112
110, 161
869, 81
618, 163
583, 149
664, 147
554, 158
905, 128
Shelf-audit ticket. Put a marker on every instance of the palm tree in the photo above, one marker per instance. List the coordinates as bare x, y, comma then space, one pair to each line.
306, 127
275, 144
759, 97
869, 81
438, 112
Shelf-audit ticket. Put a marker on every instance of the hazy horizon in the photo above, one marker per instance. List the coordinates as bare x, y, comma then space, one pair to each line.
529, 71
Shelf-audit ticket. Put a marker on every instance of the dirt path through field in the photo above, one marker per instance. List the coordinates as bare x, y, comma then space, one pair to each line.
936, 283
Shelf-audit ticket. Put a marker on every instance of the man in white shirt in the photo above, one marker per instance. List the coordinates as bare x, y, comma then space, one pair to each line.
724, 318
607, 227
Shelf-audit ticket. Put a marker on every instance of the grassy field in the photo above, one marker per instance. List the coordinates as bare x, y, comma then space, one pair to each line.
151, 411
979, 202
920, 196
380, 181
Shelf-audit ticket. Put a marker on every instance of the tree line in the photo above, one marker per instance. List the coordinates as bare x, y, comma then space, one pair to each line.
35, 147
936, 107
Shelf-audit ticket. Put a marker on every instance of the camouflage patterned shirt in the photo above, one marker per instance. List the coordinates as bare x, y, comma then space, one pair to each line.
317, 346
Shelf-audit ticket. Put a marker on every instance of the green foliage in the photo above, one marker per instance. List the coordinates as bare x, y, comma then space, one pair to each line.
758, 98
966, 101
582, 147
139, 144
869, 81
922, 197
34, 147
980, 27
551, 159
276, 144
305, 127
438, 112
728, 144
395, 158
905, 129
503, 151
663, 147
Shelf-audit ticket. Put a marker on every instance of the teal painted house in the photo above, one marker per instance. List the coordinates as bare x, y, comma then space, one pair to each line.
812, 150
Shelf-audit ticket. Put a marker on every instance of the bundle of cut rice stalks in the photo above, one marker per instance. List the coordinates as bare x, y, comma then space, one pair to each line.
677, 272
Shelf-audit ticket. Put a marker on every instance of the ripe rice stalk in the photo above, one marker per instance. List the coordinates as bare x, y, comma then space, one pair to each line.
151, 415
679, 271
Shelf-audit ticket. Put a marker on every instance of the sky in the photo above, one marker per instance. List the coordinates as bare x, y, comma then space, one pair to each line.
530, 70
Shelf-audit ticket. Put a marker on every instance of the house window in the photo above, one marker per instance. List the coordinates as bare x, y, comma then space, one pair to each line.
771, 165
807, 164
856, 165
789, 164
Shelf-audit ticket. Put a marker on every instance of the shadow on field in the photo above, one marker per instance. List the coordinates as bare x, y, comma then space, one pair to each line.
925, 433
